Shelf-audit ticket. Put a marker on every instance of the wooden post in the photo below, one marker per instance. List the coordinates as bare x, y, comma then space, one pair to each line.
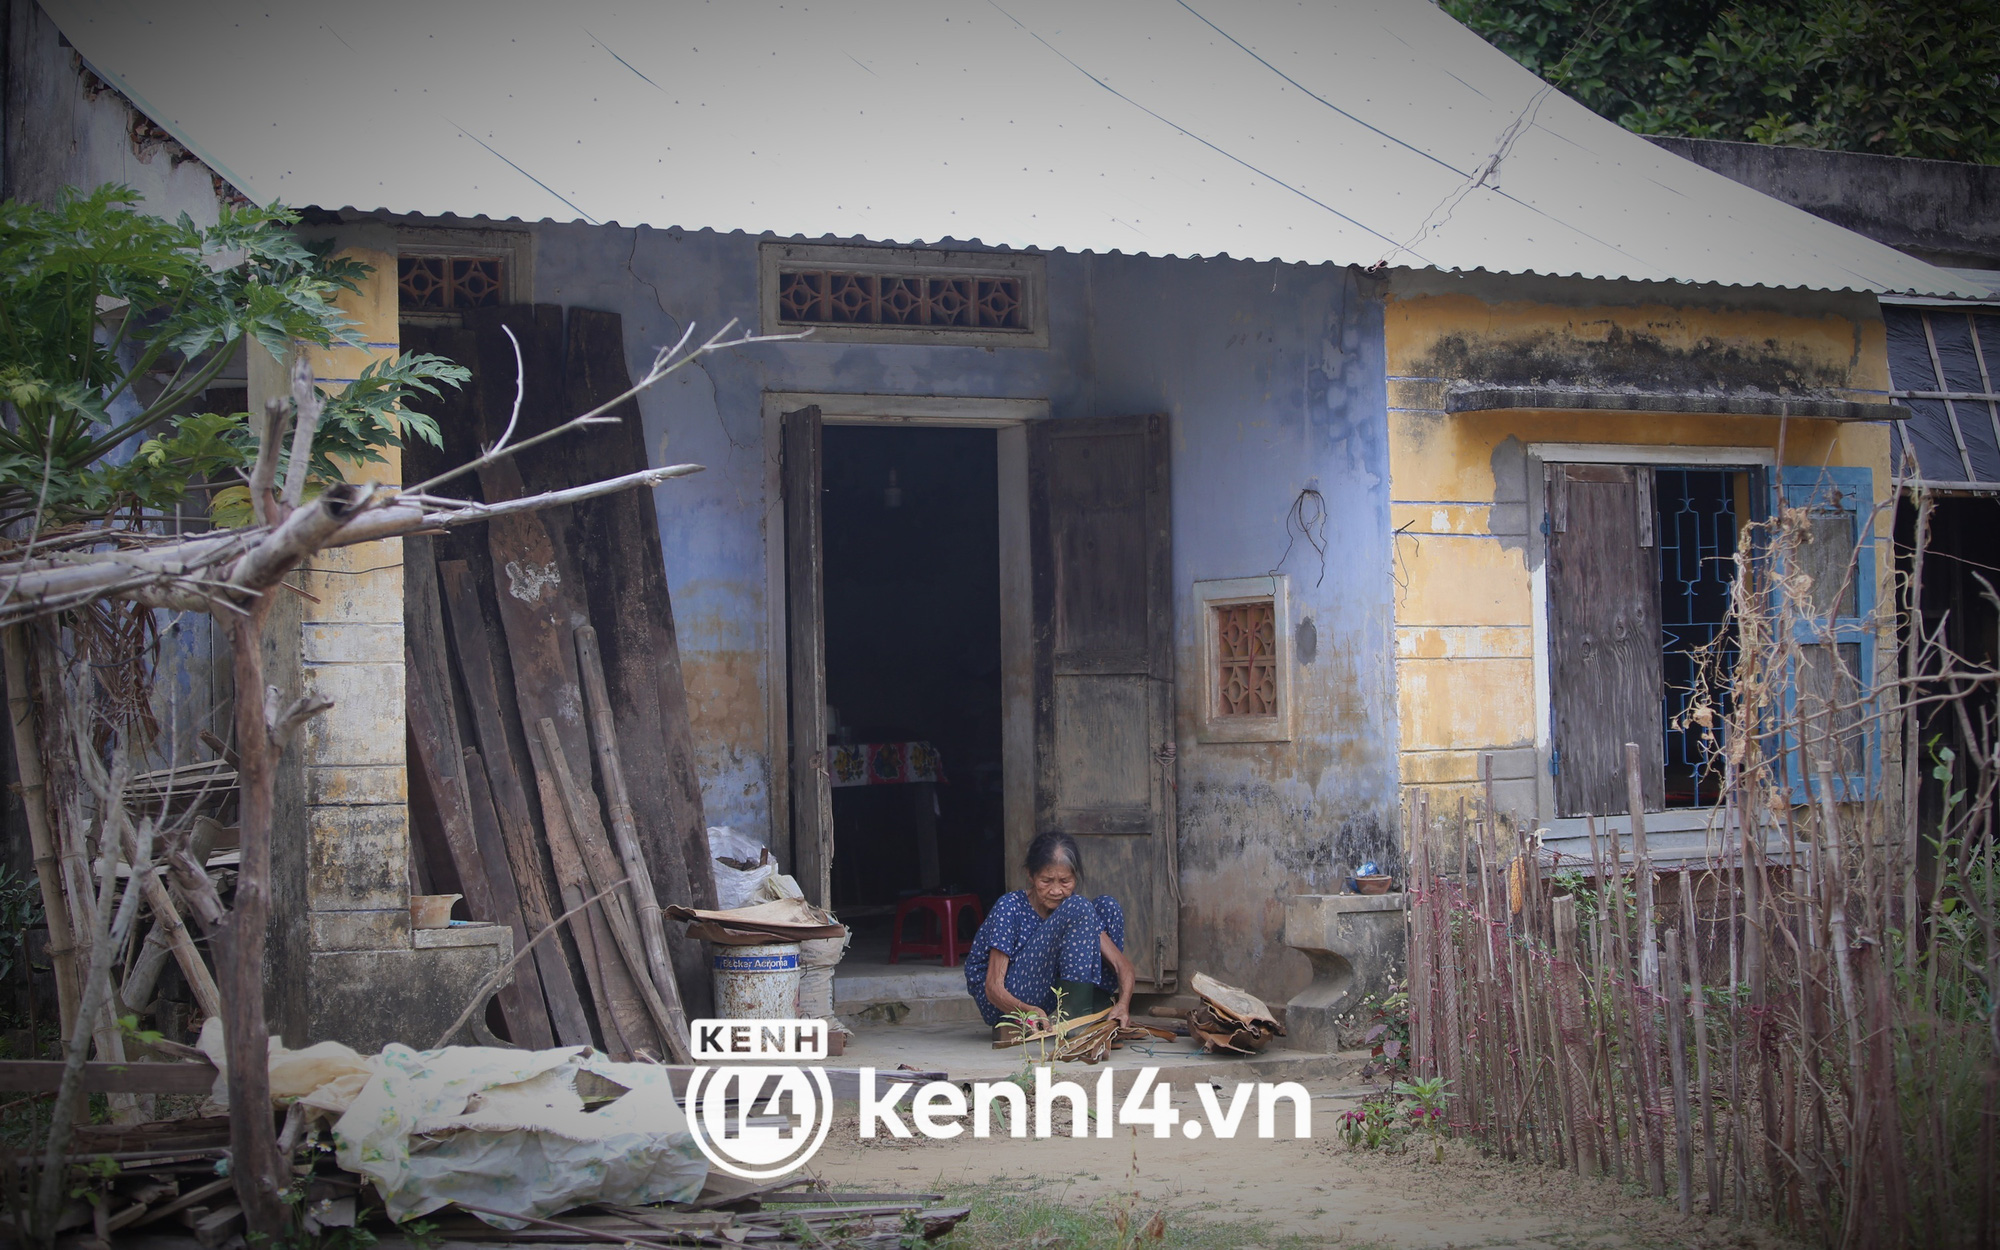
1576, 1059
1710, 1146
1677, 1059
1604, 1010
262, 1174
1415, 921
1649, 960
35, 805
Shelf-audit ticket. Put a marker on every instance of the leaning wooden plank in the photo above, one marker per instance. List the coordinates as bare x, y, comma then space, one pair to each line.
619, 555
489, 885
611, 770
493, 853
620, 1015
536, 586
443, 773
605, 871
510, 799
44, 1075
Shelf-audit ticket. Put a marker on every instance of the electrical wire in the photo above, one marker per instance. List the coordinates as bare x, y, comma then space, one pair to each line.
1311, 526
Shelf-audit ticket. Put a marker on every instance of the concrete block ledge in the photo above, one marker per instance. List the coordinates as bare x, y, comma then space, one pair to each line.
1355, 943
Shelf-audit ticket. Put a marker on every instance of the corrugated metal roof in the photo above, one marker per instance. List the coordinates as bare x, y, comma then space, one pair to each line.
1346, 131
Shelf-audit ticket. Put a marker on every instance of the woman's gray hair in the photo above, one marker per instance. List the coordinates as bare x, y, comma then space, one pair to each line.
1051, 848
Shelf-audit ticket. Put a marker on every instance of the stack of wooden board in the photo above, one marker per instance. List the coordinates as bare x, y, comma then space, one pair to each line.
543, 672
1229, 1019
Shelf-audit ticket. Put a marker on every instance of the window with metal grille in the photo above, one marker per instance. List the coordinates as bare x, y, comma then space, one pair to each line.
837, 297
1246, 659
446, 284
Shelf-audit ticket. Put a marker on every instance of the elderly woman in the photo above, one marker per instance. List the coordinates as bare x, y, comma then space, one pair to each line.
1048, 940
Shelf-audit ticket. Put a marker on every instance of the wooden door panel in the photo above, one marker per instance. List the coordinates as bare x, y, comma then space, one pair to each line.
1100, 488
1103, 734
805, 611
1605, 669
1126, 869
1103, 612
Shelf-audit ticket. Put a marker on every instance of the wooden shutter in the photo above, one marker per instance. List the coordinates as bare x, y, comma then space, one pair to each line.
805, 612
1835, 664
1604, 637
1104, 678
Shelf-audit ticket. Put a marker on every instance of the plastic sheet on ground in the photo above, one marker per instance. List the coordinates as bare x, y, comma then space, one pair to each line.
502, 1129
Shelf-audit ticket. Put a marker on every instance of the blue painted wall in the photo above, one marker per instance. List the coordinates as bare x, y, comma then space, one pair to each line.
1273, 379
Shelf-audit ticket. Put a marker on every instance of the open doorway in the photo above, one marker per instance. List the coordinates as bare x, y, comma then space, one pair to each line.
911, 540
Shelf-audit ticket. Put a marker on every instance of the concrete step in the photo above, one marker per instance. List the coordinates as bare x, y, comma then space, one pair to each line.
877, 992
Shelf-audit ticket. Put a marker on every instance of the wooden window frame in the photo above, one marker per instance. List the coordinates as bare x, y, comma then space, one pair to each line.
1848, 489
1758, 459
1032, 271
1226, 592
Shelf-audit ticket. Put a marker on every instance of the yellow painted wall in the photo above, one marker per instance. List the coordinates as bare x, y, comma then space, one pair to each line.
1465, 620
351, 651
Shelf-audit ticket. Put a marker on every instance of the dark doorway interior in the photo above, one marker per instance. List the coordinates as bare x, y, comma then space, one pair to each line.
1961, 571
912, 572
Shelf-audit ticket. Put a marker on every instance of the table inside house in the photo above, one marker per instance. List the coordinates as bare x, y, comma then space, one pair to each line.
914, 765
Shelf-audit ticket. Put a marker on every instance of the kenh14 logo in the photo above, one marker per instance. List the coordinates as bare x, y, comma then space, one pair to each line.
765, 1109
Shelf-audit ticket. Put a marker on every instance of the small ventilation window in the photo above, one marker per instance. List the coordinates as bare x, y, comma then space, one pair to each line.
1246, 678
449, 284
916, 295
834, 297
1246, 659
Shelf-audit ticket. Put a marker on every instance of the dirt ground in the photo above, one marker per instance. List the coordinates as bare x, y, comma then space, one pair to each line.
1316, 1189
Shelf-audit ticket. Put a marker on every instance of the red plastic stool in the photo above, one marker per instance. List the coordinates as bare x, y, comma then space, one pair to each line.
946, 911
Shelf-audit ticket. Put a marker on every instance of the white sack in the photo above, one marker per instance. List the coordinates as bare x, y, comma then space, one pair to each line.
498, 1128
735, 887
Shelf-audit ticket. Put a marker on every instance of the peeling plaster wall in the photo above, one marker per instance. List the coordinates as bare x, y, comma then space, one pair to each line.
1466, 632
1272, 378
64, 128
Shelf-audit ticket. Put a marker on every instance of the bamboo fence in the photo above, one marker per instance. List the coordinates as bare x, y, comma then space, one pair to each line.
1794, 1024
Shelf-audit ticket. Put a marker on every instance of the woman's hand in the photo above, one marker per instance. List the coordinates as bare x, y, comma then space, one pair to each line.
996, 993
1121, 1010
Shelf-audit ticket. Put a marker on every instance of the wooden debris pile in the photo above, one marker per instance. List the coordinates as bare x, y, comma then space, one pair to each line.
1231, 1020
778, 1215
162, 1177
154, 1177
1085, 1039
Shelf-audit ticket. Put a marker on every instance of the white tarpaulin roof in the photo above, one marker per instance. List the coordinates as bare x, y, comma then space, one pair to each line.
1346, 131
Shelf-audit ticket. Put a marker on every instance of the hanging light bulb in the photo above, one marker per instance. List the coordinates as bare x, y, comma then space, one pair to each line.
892, 494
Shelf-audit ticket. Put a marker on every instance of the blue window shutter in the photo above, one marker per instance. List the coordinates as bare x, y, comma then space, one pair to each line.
1833, 630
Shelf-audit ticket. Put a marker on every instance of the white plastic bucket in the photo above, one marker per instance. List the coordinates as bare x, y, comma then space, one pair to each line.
757, 982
